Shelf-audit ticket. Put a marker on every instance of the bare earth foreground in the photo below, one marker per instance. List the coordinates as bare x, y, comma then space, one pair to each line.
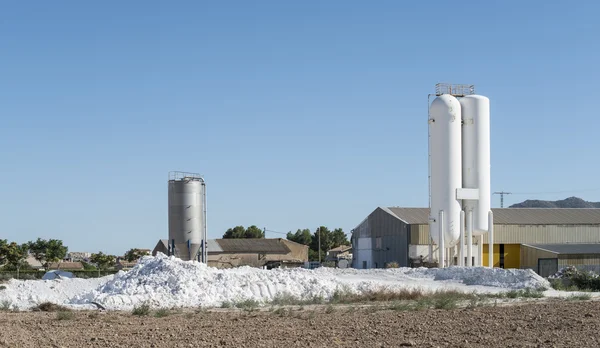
550, 324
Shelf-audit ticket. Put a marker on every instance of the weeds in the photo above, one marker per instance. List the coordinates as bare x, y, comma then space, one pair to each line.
247, 305
64, 315
5, 305
49, 307
329, 309
287, 299
580, 297
527, 293
141, 310
2, 287
226, 304
162, 312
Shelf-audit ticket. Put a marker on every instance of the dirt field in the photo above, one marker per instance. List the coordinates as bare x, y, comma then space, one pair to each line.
554, 324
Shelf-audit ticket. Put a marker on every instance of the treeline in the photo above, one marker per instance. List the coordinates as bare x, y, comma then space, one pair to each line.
13, 256
329, 239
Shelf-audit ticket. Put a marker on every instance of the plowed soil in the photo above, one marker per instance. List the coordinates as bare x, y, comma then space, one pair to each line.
550, 324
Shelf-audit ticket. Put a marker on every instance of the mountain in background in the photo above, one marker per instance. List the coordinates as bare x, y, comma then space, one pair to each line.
571, 202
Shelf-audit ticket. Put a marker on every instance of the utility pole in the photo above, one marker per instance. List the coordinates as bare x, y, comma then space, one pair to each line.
264, 232
502, 193
319, 232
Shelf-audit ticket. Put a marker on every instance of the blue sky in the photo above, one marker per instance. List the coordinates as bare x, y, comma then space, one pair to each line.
298, 114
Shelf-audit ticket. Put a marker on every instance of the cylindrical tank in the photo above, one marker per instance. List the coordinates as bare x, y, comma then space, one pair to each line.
186, 215
476, 157
446, 171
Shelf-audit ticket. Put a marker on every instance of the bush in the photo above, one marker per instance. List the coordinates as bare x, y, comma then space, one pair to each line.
5, 305
49, 307
2, 287
141, 310
392, 265
162, 312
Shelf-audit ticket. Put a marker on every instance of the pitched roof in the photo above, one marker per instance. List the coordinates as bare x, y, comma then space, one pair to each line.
65, 265
514, 216
252, 245
568, 248
342, 248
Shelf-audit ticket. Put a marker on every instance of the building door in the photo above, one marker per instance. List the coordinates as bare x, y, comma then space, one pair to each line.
547, 267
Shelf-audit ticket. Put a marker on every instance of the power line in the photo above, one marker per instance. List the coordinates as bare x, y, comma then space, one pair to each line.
265, 230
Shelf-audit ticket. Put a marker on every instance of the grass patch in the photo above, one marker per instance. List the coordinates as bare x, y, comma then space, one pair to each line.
247, 305
5, 305
526, 293
401, 306
65, 315
141, 310
580, 297
287, 299
162, 312
226, 304
49, 307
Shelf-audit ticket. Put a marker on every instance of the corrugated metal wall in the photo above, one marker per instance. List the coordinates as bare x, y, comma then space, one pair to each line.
389, 239
528, 234
530, 256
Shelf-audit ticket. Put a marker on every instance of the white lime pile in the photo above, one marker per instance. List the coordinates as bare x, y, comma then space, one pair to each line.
163, 281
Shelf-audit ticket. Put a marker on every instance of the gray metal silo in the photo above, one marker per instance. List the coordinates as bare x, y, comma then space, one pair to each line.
187, 216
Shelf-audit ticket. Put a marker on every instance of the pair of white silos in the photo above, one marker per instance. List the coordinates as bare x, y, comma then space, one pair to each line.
459, 153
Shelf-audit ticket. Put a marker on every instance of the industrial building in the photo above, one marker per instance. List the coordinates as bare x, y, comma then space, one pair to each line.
254, 252
401, 235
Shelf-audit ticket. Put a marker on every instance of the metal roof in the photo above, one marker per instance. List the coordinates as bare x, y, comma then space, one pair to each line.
213, 246
568, 248
515, 216
252, 245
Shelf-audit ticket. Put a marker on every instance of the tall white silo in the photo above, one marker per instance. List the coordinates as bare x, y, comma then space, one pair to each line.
476, 158
187, 215
446, 167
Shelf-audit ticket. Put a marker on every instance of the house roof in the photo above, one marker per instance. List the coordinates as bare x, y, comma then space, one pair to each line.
252, 245
568, 248
65, 265
514, 216
341, 248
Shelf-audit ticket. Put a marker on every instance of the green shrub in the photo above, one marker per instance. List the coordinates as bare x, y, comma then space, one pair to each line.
141, 310
49, 307
162, 312
2, 287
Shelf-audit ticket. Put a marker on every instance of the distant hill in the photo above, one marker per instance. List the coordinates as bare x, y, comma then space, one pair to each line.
571, 202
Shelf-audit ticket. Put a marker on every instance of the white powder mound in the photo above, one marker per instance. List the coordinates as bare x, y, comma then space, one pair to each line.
163, 281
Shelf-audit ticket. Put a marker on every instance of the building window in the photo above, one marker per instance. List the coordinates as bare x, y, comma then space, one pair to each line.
378, 243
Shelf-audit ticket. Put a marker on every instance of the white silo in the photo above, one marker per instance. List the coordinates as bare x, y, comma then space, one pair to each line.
446, 170
187, 216
476, 158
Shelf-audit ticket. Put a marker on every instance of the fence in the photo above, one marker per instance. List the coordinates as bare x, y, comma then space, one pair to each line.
30, 275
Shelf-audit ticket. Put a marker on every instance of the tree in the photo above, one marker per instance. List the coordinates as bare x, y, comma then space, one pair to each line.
236, 232
134, 254
338, 238
103, 261
241, 232
46, 251
13, 255
254, 232
301, 236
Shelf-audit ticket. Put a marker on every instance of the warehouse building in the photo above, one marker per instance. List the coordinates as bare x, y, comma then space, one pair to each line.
402, 235
254, 252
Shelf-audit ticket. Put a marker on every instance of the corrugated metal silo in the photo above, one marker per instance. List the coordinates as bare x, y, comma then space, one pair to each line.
187, 215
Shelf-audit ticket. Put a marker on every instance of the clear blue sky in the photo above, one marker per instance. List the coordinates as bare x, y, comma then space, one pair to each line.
298, 114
